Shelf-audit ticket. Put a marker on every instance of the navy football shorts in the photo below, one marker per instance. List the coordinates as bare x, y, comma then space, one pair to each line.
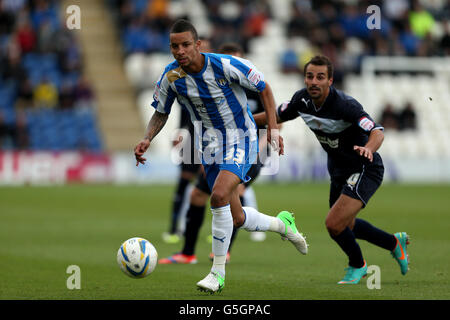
360, 185
190, 167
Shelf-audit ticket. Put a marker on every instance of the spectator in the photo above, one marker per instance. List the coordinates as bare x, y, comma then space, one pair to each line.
444, 43
45, 37
126, 14
70, 58
396, 46
13, 5
302, 19
389, 118
45, 95
354, 22
44, 13
409, 40
135, 36
290, 60
7, 21
25, 94
26, 35
83, 94
421, 21
66, 96
20, 131
158, 9
160, 21
4, 131
11, 68
255, 20
407, 118
396, 11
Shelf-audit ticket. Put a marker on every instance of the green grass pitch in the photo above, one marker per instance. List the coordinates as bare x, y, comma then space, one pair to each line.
43, 230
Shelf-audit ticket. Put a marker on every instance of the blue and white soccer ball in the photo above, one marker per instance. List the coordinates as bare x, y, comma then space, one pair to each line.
137, 257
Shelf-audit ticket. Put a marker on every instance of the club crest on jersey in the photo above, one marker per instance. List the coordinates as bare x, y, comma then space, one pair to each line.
201, 108
221, 82
366, 123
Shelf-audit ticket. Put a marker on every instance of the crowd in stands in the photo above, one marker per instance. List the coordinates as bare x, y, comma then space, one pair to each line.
237, 21
46, 102
336, 28
144, 24
339, 30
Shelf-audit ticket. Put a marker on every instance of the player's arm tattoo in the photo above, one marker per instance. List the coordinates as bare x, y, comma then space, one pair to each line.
155, 124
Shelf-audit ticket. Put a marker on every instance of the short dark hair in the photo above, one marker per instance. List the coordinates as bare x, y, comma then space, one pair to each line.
183, 25
230, 47
321, 60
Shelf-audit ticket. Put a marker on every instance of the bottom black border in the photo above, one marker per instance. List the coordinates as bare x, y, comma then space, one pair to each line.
222, 309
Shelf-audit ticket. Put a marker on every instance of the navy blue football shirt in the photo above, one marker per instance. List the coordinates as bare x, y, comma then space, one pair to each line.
339, 124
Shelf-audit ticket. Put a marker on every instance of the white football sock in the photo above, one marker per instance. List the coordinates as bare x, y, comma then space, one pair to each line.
257, 221
222, 228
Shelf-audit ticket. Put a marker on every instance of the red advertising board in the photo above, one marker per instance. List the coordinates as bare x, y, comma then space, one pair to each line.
28, 167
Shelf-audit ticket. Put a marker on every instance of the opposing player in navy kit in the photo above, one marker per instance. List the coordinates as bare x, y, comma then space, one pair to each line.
351, 138
211, 87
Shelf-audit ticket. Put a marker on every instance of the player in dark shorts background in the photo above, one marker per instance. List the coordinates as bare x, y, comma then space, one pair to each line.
350, 138
201, 192
189, 170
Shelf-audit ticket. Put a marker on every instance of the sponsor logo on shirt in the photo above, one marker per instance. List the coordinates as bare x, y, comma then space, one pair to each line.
331, 143
366, 123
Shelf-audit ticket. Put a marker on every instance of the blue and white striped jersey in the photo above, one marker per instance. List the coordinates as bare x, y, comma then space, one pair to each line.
215, 96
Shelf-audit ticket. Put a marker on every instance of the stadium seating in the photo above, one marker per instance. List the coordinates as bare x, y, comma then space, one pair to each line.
49, 128
428, 93
431, 137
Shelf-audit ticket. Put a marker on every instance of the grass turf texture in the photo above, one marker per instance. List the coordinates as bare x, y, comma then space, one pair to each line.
43, 230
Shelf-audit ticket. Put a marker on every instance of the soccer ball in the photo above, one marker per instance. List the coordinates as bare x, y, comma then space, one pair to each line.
137, 257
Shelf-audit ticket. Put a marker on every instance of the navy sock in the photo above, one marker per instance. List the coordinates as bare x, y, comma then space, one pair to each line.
194, 220
364, 230
177, 202
347, 241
